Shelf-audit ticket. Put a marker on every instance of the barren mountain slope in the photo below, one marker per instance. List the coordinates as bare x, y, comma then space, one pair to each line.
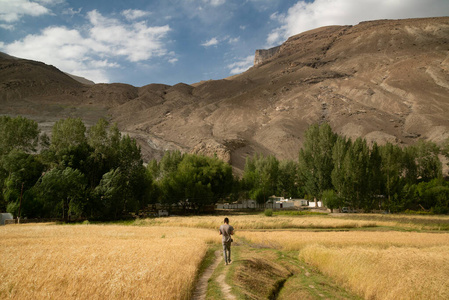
383, 80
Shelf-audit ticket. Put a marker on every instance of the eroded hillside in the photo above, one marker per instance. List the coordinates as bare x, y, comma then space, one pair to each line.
383, 80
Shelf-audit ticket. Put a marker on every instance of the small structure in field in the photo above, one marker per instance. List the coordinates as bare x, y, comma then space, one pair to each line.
313, 204
300, 202
279, 202
163, 213
4, 217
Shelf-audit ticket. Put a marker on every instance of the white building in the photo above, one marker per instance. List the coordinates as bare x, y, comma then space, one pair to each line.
312, 204
279, 203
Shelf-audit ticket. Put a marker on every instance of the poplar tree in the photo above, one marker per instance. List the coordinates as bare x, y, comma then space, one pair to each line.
315, 159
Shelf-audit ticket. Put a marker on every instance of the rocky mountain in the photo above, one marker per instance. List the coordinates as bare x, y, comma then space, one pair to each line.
385, 80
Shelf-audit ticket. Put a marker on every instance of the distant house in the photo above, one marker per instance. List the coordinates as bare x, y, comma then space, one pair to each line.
279, 203
300, 202
312, 204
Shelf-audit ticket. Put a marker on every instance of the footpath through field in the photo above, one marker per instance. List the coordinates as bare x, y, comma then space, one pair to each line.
264, 273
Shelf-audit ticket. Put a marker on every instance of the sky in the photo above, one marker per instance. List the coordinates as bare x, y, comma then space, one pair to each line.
170, 41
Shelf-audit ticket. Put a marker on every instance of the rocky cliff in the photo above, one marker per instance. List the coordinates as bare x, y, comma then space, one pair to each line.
263, 55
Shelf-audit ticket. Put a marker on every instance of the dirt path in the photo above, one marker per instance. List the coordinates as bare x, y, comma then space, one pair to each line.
201, 288
225, 288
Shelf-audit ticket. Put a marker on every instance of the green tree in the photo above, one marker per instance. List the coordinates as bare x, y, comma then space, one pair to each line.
62, 192
445, 150
198, 181
169, 162
18, 133
331, 200
288, 180
356, 160
125, 188
410, 165
428, 164
339, 171
20, 172
315, 159
391, 169
66, 133
260, 177
113, 194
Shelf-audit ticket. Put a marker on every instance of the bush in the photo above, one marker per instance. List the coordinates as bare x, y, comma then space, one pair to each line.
268, 212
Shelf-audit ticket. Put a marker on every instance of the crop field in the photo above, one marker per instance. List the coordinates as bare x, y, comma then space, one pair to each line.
100, 262
259, 222
354, 256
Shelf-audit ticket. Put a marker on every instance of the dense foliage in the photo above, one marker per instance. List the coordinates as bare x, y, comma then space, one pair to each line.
347, 173
97, 173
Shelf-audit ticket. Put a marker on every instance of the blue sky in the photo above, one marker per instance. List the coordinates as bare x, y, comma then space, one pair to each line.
141, 42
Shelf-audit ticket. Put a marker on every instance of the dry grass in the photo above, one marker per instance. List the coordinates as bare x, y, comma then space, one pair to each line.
393, 273
259, 222
100, 262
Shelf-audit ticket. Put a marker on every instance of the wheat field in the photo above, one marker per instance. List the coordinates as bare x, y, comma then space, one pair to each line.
259, 222
374, 265
159, 258
392, 273
294, 240
100, 262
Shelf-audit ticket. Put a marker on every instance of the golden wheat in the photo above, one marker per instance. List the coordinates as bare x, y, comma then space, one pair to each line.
259, 222
392, 273
294, 240
418, 222
375, 265
100, 262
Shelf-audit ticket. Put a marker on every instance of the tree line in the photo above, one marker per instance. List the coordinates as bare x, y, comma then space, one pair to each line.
98, 173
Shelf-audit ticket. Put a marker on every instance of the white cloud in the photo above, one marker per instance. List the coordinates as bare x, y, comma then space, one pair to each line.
233, 40
304, 15
136, 41
215, 2
71, 11
12, 11
212, 42
91, 51
241, 65
7, 27
172, 60
133, 14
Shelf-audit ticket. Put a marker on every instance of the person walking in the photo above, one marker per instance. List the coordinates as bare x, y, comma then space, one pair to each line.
226, 231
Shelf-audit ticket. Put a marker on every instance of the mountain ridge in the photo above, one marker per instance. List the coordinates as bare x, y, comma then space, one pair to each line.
385, 80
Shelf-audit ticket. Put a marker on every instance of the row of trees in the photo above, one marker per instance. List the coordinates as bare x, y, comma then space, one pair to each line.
372, 177
97, 173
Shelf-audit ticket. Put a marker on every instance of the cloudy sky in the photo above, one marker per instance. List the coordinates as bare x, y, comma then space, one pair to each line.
170, 41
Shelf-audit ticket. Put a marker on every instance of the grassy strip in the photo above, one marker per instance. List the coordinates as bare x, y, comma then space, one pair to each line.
265, 273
